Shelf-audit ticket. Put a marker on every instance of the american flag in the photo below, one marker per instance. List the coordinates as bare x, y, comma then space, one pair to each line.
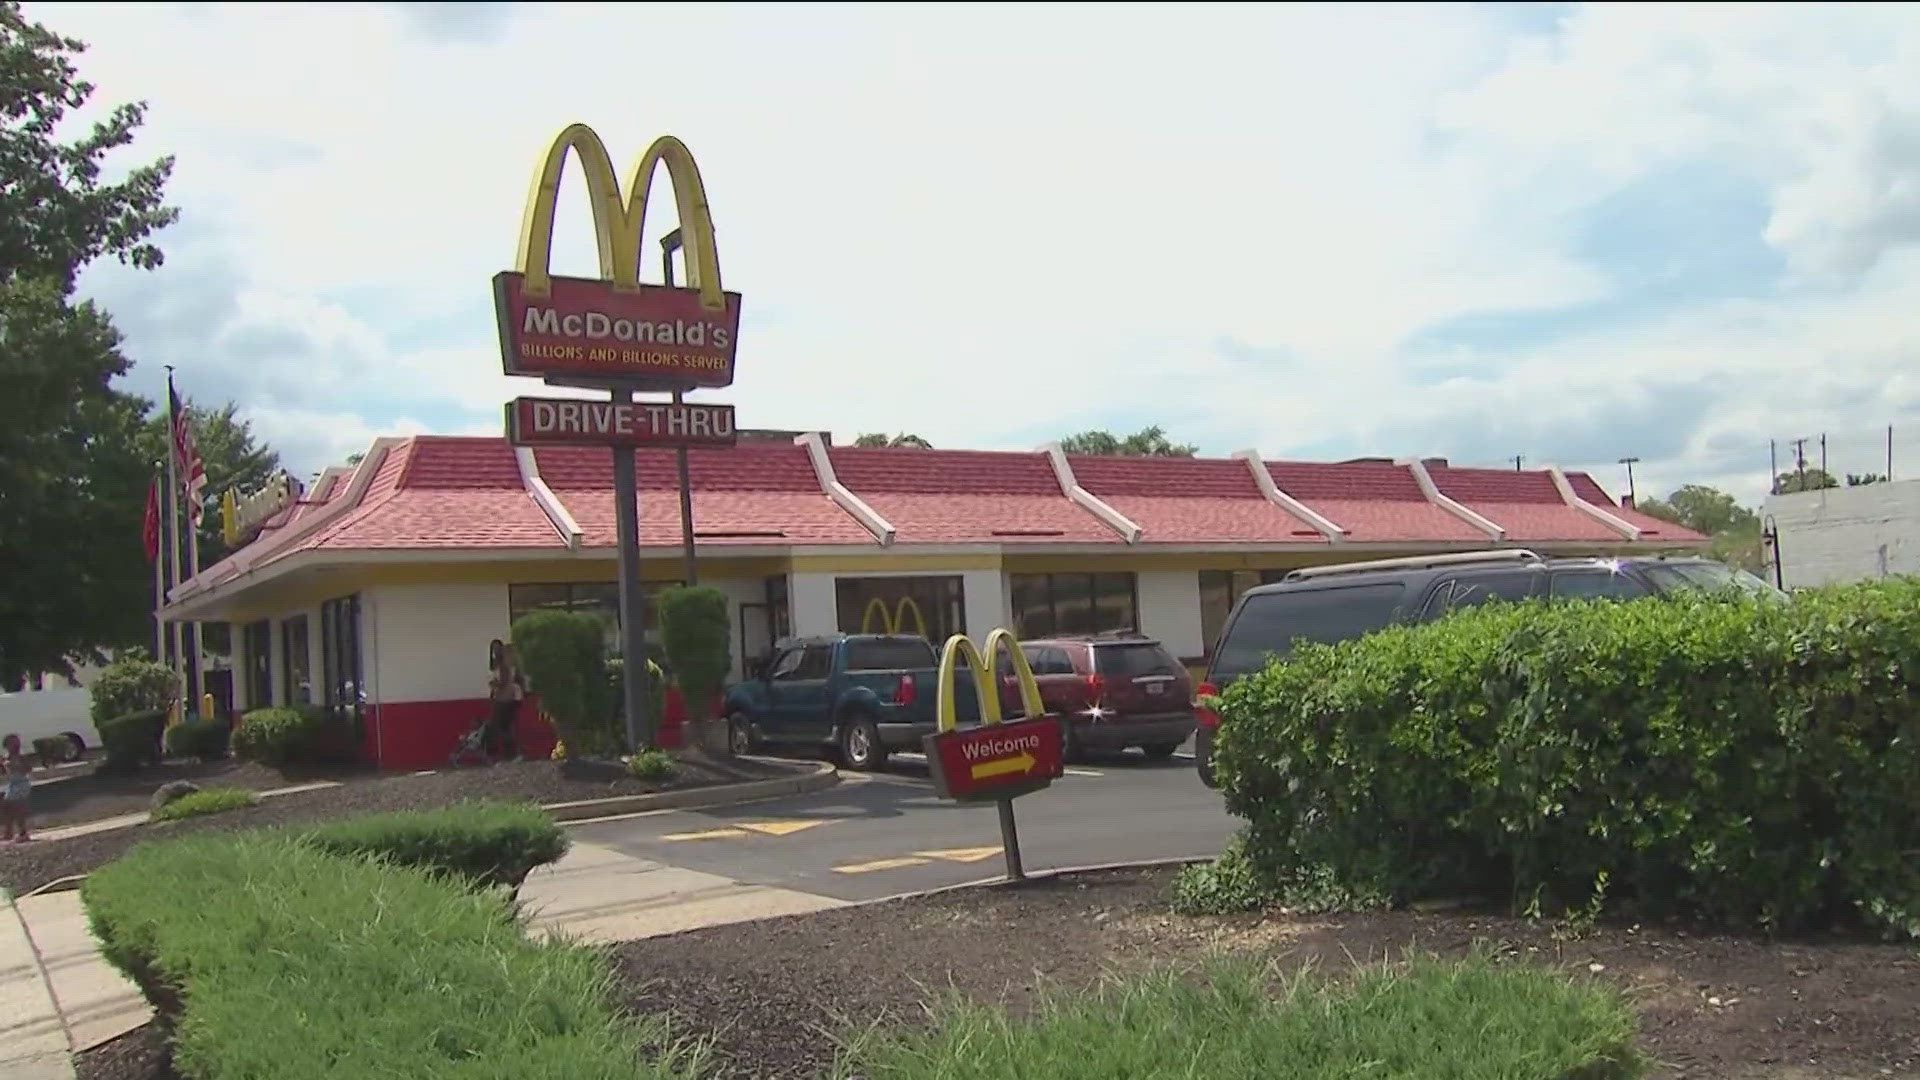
186, 457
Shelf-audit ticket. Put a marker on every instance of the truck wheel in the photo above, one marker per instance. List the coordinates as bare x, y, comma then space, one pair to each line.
740, 736
860, 745
1160, 751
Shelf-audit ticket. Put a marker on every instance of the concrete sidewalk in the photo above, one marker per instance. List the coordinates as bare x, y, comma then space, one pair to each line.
59, 996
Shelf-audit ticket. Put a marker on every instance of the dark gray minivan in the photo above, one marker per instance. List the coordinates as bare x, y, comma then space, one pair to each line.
1335, 603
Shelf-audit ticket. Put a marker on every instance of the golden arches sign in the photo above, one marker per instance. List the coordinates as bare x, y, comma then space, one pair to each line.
985, 685
892, 622
613, 328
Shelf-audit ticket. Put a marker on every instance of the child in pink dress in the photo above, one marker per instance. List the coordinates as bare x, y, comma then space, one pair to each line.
13, 798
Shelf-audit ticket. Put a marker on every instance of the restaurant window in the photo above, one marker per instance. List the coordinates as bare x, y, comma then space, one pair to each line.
258, 639
340, 659
1219, 591
294, 662
932, 607
1048, 604
600, 598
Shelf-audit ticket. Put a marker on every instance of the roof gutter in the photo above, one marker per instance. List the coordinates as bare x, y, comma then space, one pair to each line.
1618, 524
543, 497
867, 516
1494, 531
1263, 480
1087, 500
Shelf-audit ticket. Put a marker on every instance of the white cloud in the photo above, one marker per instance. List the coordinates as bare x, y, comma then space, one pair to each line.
944, 226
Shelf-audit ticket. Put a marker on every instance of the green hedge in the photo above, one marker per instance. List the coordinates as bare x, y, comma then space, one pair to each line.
318, 966
481, 843
197, 738
132, 684
279, 736
132, 741
1751, 763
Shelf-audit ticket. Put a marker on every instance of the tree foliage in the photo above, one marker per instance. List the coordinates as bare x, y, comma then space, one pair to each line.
881, 438
1147, 442
1804, 480
1707, 511
1863, 479
72, 481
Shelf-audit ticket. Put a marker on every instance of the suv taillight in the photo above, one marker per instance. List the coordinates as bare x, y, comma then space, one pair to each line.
1096, 689
904, 693
1207, 717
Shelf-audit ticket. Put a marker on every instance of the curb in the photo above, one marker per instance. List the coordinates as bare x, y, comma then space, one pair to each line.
1039, 876
823, 776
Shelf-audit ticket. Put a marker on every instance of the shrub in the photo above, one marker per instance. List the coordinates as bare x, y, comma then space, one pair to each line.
396, 973
616, 730
132, 741
277, 736
132, 684
698, 637
651, 765
1432, 1018
1751, 763
564, 655
198, 738
53, 749
482, 843
208, 801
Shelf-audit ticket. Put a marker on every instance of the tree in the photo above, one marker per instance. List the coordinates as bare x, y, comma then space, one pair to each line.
879, 438
1804, 480
55, 214
1707, 511
72, 482
1863, 479
1147, 442
233, 458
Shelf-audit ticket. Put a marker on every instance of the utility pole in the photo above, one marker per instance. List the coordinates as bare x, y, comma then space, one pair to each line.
1800, 462
1517, 459
1632, 495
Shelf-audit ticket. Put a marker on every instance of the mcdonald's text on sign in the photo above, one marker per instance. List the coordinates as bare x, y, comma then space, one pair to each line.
597, 329
996, 761
549, 421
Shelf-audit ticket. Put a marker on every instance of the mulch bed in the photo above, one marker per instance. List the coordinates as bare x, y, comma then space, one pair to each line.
85, 795
775, 997
25, 867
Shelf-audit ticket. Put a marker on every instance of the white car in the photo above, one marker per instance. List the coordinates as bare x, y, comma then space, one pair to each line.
43, 714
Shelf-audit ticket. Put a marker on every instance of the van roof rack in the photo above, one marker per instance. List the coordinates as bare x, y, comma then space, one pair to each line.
1416, 562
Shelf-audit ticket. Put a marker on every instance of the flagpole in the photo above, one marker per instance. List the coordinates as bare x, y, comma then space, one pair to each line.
159, 580
173, 541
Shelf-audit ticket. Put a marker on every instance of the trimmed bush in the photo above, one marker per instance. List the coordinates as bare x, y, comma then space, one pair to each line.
698, 637
132, 741
54, 749
197, 738
320, 966
1471, 1018
1754, 764
277, 736
651, 765
134, 683
200, 803
483, 844
564, 656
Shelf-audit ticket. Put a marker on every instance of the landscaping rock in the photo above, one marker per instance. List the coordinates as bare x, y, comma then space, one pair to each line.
173, 790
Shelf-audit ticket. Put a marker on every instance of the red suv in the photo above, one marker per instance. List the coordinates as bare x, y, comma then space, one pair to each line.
1111, 690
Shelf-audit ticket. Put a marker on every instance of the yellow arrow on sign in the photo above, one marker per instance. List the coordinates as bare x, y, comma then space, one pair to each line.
1023, 763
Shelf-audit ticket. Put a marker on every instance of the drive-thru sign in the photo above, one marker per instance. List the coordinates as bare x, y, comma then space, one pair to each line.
997, 761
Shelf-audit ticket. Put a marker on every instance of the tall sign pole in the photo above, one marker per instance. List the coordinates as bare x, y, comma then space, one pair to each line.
669, 244
616, 334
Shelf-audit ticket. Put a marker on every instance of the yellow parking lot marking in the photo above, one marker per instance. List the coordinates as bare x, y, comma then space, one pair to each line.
781, 828
965, 854
710, 834
880, 864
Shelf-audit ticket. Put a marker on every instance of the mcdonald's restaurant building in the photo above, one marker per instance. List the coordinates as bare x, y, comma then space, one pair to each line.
376, 592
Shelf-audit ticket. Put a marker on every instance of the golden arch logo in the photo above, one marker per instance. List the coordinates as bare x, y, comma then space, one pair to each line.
896, 620
614, 327
985, 684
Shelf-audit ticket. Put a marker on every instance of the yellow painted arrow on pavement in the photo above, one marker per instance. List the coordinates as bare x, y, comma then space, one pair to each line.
1022, 763
965, 854
781, 828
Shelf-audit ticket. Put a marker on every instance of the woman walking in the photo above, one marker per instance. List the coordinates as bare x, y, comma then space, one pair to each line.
504, 689
13, 798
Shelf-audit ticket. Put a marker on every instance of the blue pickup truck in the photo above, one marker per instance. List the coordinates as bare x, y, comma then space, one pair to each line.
863, 696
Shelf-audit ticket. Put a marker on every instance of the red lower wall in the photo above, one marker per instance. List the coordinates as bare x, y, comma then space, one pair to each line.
422, 734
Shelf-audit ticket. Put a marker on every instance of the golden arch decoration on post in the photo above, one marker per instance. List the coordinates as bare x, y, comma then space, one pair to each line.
613, 328
946, 711
892, 622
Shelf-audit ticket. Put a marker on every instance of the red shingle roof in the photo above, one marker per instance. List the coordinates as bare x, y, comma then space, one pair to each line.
967, 496
1375, 501
1526, 504
1651, 528
1191, 501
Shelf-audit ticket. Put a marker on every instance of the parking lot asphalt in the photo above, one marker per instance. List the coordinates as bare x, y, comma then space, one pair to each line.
877, 835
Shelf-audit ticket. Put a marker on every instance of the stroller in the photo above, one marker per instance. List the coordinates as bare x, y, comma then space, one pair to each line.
473, 749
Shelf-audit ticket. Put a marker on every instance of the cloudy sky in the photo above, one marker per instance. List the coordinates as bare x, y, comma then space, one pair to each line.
1571, 233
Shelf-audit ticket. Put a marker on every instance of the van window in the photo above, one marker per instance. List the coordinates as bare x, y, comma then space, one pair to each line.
1134, 661
1472, 590
1271, 622
1595, 583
